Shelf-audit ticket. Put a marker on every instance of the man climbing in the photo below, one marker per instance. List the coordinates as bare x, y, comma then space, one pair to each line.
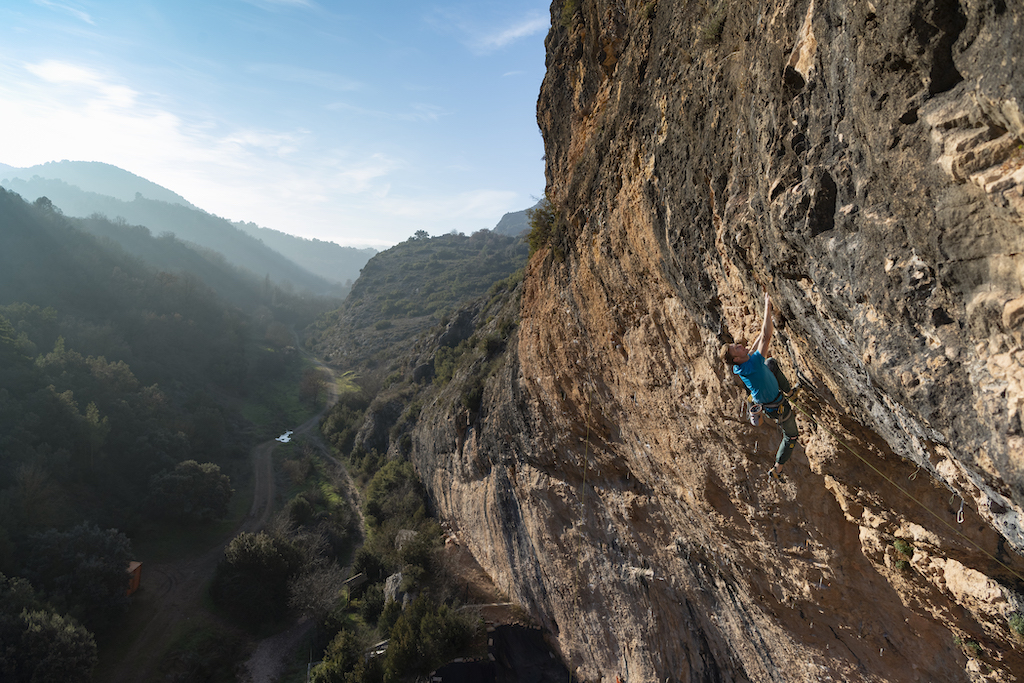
767, 384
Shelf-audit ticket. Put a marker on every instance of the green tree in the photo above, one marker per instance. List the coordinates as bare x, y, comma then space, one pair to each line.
37, 644
82, 572
544, 223
191, 492
313, 387
343, 653
251, 581
394, 493
425, 636
56, 648
96, 429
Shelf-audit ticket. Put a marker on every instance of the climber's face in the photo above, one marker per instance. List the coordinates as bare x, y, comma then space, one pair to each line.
739, 354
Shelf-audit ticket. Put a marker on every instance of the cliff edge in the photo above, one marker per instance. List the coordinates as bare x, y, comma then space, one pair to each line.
863, 163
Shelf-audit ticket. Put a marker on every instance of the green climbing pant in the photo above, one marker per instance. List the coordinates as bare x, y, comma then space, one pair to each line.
783, 415
786, 419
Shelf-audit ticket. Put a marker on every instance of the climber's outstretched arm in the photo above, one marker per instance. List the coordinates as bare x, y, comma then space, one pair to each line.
764, 339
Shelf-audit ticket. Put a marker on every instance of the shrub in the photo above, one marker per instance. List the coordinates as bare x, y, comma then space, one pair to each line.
205, 654
37, 643
394, 493
568, 12
251, 582
369, 564
56, 648
372, 604
473, 396
543, 224
388, 616
300, 511
492, 344
903, 548
972, 646
1017, 623
714, 26
425, 636
192, 492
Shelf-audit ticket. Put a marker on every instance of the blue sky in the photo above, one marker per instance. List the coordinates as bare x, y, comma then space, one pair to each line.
354, 122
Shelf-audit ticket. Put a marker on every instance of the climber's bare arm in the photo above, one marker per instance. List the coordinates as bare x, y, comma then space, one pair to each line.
764, 340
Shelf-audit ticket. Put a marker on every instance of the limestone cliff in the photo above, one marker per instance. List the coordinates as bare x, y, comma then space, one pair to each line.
862, 162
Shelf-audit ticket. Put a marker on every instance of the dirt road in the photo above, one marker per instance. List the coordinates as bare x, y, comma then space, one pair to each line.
171, 601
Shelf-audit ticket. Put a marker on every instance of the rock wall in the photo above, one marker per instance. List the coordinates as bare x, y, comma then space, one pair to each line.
860, 161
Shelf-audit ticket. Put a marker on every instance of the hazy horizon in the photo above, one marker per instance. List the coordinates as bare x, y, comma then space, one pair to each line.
357, 126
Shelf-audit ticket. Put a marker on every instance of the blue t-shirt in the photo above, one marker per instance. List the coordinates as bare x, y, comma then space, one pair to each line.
764, 388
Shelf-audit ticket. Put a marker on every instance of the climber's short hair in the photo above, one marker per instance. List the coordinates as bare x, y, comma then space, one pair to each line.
726, 355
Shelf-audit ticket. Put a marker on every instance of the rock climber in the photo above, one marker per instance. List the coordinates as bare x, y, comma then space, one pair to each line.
767, 384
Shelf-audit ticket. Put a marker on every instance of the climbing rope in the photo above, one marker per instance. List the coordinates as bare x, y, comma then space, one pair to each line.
908, 494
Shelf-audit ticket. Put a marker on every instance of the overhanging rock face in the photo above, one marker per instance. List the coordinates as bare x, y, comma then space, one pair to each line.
860, 161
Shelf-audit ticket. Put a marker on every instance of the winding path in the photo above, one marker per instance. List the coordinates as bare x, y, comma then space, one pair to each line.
172, 595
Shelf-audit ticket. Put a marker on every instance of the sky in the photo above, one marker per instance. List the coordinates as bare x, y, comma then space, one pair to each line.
353, 122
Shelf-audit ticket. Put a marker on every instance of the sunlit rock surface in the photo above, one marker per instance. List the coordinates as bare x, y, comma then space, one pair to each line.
862, 161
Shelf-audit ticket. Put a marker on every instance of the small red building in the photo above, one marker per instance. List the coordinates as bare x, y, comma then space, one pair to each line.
135, 570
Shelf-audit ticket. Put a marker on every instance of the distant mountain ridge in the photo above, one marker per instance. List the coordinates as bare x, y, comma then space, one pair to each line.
84, 188
98, 177
326, 259
515, 223
188, 224
81, 189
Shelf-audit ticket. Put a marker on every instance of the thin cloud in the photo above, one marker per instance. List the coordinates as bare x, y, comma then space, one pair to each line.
74, 112
78, 14
310, 77
488, 42
66, 74
483, 37
474, 204
419, 112
263, 4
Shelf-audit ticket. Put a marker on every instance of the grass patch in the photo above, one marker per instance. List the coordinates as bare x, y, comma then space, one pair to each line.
346, 383
275, 407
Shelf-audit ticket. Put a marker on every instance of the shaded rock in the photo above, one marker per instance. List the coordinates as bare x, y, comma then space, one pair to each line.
392, 588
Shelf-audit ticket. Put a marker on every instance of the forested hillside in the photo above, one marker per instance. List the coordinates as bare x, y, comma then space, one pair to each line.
114, 377
184, 222
412, 286
429, 322
328, 260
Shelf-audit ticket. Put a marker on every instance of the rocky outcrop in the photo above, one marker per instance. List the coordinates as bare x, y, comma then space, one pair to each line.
860, 161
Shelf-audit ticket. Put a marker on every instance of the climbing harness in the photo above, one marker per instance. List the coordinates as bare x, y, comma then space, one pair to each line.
776, 409
908, 494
